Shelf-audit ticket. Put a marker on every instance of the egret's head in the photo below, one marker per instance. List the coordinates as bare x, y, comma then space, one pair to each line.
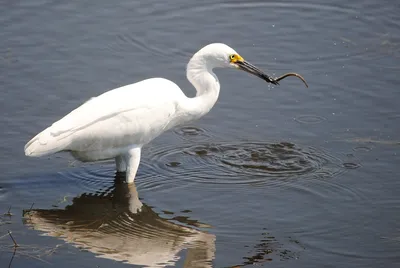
220, 55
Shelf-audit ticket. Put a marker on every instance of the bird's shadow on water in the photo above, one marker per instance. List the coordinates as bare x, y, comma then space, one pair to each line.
115, 224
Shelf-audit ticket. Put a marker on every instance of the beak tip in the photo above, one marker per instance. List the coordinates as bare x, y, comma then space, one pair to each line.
272, 81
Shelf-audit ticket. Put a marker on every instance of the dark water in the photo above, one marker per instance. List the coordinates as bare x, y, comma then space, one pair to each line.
276, 176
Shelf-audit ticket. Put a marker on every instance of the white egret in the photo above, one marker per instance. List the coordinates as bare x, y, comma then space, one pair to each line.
118, 123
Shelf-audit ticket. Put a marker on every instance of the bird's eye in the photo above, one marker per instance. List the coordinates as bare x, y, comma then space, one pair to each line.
232, 57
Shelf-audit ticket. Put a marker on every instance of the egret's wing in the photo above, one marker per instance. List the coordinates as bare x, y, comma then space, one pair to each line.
111, 119
143, 95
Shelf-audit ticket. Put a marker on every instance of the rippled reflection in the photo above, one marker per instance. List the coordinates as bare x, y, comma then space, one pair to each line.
115, 224
269, 248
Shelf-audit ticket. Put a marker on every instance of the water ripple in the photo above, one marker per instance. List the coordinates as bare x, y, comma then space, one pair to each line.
200, 7
192, 133
126, 42
245, 162
329, 189
91, 178
309, 119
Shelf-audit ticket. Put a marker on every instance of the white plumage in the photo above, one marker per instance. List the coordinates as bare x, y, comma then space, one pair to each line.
126, 116
119, 122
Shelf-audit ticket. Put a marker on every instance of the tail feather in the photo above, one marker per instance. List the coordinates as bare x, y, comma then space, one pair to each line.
45, 143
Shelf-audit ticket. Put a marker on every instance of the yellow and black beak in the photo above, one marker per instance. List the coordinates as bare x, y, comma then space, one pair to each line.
241, 64
250, 68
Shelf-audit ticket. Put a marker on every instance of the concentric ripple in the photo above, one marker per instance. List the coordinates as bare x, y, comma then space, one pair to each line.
90, 178
192, 133
309, 119
245, 162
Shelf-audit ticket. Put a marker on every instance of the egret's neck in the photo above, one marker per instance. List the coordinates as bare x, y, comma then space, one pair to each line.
200, 74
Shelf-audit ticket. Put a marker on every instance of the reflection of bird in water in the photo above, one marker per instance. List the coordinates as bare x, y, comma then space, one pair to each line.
116, 225
119, 122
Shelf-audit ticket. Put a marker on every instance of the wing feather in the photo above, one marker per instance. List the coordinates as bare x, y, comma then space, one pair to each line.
123, 115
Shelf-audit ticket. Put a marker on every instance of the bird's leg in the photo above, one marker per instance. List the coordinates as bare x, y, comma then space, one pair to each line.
120, 163
132, 159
